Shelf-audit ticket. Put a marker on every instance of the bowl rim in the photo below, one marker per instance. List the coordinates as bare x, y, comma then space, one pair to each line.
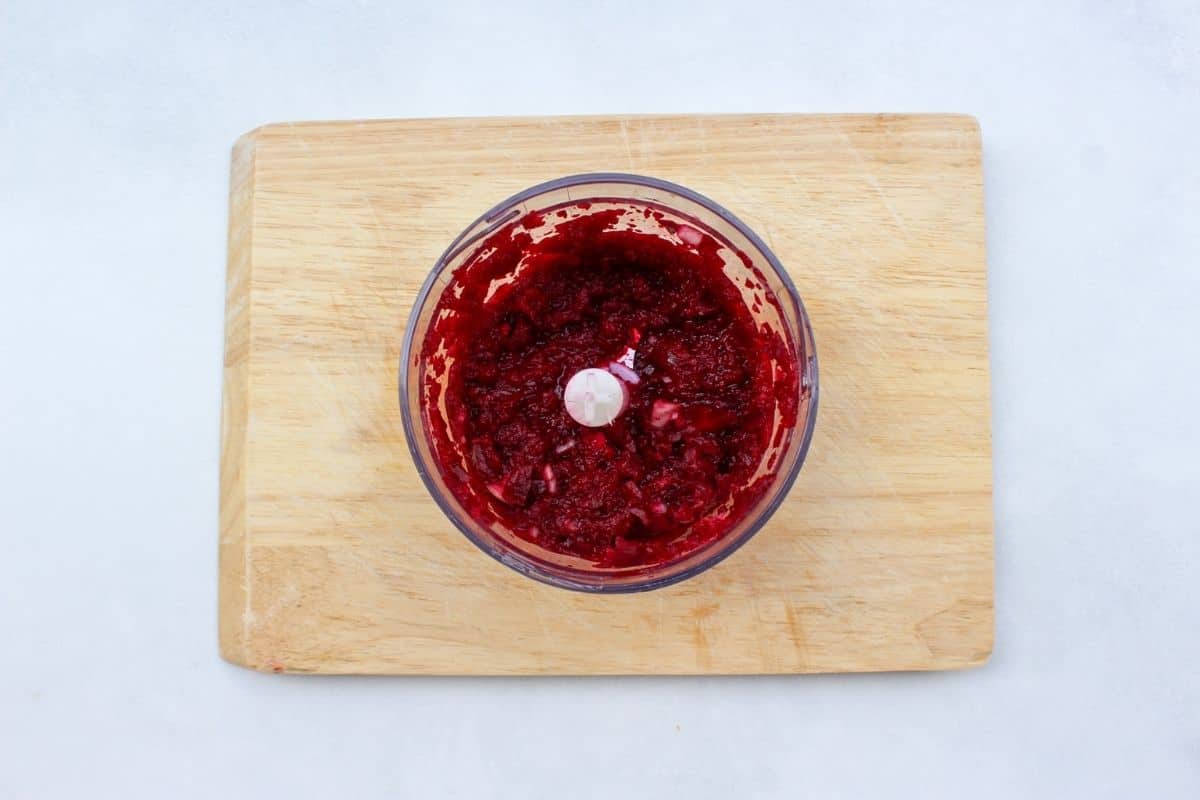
469, 235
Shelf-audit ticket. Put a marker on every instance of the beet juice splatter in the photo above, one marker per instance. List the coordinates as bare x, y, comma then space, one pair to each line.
682, 463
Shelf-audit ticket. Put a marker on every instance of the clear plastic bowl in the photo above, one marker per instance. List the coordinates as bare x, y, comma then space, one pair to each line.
786, 317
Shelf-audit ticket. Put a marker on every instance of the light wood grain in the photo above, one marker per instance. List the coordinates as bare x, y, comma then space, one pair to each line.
334, 559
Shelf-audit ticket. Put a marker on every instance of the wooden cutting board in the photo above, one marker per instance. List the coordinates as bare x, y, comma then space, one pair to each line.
334, 559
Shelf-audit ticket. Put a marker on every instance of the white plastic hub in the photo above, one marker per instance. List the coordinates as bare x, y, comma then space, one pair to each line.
595, 397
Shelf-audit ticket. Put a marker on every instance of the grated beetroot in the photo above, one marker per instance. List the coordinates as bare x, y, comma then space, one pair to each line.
677, 469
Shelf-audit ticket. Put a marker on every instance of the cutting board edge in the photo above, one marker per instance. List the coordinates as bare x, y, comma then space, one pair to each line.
257, 134
233, 588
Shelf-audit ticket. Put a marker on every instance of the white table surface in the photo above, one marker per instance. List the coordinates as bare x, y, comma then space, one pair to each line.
115, 128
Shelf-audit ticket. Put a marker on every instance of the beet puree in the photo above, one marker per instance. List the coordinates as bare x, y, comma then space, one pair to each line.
681, 465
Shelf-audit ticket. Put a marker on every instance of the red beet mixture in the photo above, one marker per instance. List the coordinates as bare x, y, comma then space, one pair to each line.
677, 469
